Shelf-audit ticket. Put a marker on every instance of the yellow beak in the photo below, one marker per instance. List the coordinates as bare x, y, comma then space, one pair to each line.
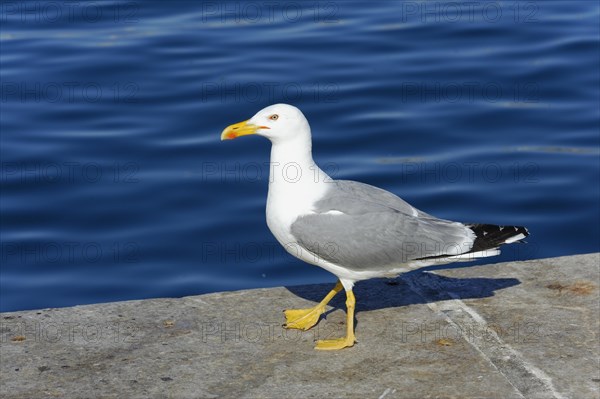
238, 129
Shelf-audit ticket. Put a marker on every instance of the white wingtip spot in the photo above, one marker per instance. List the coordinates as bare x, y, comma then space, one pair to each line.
333, 212
515, 238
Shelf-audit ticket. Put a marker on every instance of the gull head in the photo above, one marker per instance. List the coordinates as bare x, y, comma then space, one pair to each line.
279, 123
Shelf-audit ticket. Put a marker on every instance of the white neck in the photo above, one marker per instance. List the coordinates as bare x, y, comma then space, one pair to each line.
295, 181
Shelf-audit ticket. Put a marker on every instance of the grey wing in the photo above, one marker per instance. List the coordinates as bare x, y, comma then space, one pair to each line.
375, 231
358, 198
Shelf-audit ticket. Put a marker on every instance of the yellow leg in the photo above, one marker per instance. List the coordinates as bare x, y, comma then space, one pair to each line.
303, 319
349, 339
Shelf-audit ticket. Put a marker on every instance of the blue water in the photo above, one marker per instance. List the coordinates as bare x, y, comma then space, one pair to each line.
115, 185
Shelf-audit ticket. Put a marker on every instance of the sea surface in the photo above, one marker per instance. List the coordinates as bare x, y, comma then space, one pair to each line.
116, 186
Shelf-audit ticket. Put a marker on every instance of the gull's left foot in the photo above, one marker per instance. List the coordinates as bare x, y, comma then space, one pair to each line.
335, 344
302, 319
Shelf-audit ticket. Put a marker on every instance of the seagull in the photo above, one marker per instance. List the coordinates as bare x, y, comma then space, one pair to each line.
354, 230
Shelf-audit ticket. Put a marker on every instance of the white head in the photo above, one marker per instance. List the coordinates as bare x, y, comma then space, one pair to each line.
279, 123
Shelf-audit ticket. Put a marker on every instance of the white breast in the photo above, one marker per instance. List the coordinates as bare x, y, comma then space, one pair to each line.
286, 202
292, 194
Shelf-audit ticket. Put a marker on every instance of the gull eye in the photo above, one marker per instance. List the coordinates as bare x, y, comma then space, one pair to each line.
274, 117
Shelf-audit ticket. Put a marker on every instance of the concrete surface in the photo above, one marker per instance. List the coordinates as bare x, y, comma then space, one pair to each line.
512, 330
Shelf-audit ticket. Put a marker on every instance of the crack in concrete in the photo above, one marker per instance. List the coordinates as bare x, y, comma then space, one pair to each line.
528, 380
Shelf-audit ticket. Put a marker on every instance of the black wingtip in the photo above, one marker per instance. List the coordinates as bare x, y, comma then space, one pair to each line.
491, 236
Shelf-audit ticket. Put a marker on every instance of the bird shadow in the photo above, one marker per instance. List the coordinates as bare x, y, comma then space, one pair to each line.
414, 287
